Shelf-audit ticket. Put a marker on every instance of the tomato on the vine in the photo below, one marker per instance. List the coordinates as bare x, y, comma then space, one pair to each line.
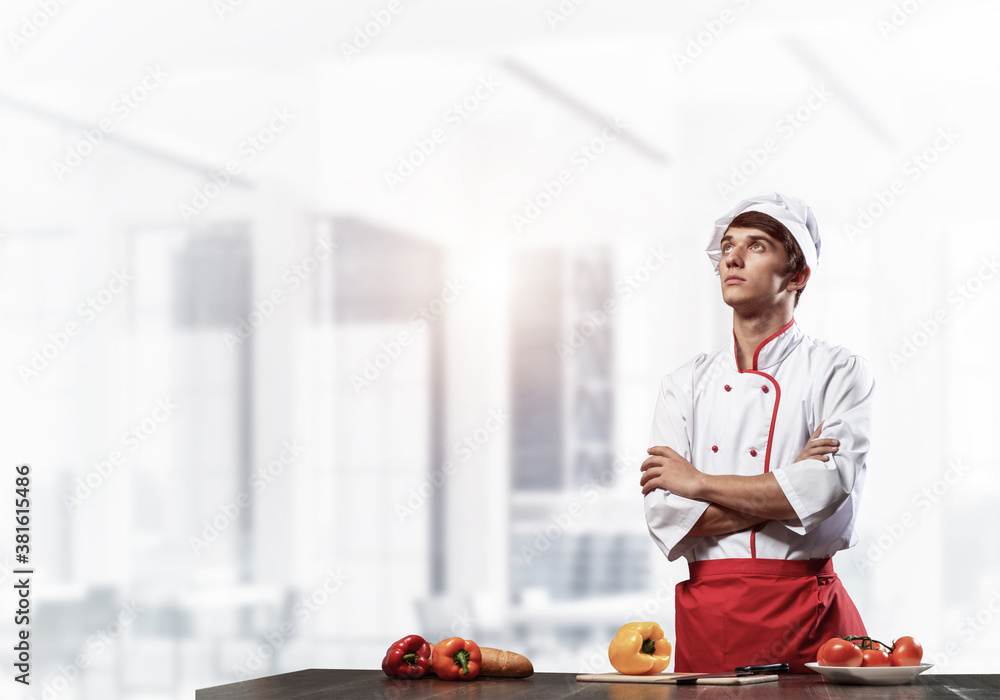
839, 652
875, 657
906, 651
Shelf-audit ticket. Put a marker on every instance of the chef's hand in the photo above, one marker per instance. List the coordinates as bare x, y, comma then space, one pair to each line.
819, 449
666, 469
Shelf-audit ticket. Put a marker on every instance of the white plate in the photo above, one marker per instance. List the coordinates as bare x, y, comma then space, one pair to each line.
870, 675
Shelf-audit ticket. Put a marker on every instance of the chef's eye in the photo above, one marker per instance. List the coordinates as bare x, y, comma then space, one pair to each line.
726, 247
758, 245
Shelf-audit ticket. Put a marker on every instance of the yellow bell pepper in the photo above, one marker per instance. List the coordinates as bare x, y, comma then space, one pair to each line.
639, 649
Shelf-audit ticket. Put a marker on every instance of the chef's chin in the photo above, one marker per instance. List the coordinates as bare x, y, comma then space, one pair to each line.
735, 294
741, 302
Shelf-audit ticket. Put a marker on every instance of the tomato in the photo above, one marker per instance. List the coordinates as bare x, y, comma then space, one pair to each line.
839, 652
875, 657
906, 651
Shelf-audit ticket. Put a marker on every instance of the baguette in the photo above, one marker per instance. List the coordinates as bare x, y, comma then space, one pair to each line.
498, 663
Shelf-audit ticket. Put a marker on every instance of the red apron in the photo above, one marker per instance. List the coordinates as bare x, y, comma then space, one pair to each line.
741, 612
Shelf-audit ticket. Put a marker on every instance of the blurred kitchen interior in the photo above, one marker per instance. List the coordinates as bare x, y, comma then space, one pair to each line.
414, 383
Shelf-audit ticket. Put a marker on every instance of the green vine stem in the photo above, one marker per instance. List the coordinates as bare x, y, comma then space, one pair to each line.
868, 643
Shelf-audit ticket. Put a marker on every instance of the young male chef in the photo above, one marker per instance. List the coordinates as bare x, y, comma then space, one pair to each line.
758, 459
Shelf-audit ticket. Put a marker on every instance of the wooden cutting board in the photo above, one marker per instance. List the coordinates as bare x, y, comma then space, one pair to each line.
674, 677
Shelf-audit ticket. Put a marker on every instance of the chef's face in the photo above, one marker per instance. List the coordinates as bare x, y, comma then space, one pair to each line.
753, 270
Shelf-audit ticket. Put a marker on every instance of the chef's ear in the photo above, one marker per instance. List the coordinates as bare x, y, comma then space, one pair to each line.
799, 279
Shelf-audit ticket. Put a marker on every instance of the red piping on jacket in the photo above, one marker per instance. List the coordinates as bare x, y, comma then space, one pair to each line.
774, 413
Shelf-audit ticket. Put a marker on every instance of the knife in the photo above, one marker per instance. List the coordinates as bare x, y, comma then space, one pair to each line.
739, 672
766, 668
695, 677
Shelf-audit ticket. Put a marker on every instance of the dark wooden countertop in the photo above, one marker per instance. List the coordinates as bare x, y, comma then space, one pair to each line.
317, 684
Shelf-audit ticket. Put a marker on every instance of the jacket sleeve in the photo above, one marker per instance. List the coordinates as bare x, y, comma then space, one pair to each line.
670, 517
816, 489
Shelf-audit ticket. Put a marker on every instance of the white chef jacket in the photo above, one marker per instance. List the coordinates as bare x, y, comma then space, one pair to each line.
727, 421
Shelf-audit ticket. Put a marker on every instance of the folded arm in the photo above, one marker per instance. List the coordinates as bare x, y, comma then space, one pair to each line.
758, 495
719, 520
736, 502
800, 495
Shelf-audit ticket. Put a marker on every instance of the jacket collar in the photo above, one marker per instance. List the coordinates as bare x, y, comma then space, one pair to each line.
772, 350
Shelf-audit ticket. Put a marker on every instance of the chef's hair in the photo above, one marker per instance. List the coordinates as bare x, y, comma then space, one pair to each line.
795, 260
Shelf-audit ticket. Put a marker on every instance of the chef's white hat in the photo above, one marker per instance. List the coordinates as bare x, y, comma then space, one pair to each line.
793, 213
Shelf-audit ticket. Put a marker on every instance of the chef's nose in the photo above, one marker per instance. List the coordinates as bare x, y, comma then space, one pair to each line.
732, 258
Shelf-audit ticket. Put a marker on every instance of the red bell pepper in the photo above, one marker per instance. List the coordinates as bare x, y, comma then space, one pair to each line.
410, 657
457, 659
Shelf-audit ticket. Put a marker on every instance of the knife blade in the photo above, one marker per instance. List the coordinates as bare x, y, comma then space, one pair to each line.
766, 668
693, 678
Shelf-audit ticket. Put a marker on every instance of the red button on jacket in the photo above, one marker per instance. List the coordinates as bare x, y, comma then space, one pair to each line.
753, 453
